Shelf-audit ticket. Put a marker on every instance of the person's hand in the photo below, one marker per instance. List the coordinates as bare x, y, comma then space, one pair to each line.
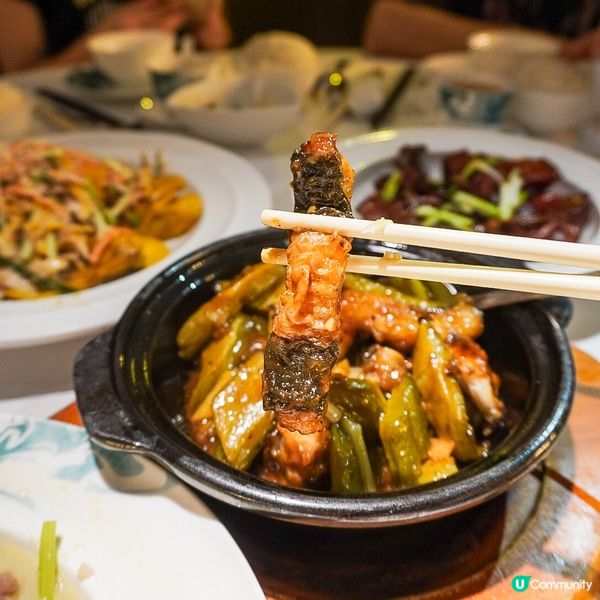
145, 14
213, 31
585, 46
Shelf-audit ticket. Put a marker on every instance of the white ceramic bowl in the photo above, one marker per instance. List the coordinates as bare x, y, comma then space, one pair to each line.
290, 56
125, 56
546, 112
502, 50
475, 97
234, 110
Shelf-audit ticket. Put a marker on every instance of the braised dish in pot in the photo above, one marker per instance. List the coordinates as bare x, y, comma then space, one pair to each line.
413, 425
333, 381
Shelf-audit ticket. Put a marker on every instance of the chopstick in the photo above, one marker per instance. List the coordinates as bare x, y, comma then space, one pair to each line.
395, 94
488, 244
392, 264
586, 287
87, 111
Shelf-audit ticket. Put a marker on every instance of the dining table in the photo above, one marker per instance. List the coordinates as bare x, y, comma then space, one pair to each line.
546, 527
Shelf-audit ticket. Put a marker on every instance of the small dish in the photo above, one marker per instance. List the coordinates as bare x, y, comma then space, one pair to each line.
474, 97
129, 387
102, 501
552, 94
236, 110
125, 55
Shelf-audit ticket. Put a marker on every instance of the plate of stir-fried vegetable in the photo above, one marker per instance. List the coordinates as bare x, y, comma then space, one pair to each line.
86, 218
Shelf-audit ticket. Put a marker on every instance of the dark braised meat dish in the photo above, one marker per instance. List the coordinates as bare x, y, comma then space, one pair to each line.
480, 192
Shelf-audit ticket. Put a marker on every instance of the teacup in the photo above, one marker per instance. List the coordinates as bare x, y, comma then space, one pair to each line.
476, 98
125, 55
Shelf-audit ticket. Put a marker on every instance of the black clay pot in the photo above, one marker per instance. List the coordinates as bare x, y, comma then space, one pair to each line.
129, 385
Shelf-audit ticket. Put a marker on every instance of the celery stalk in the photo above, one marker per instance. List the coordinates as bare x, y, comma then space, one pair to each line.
48, 564
471, 203
389, 190
510, 195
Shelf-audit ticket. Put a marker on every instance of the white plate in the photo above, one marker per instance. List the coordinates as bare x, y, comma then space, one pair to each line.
233, 193
367, 150
144, 535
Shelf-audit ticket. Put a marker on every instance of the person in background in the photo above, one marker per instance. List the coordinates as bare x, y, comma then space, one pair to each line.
38, 32
416, 29
323, 22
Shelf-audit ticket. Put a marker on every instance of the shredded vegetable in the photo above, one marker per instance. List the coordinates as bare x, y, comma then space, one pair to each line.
70, 220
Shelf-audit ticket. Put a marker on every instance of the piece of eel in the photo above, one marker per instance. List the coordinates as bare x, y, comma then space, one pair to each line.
303, 346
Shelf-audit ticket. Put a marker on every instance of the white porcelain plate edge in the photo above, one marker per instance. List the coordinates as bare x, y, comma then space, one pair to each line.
148, 537
234, 194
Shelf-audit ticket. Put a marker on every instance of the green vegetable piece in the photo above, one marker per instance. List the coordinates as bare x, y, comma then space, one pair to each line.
391, 186
268, 301
404, 432
360, 400
222, 307
439, 216
205, 435
369, 286
240, 420
224, 354
510, 196
48, 563
26, 249
419, 289
443, 399
344, 468
483, 165
434, 470
470, 203
44, 283
204, 409
443, 294
354, 432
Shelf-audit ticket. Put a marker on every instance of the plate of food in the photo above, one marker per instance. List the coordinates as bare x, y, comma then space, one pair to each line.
88, 218
85, 522
476, 180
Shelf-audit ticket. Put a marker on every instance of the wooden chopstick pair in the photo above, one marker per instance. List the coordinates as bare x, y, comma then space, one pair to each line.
583, 286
